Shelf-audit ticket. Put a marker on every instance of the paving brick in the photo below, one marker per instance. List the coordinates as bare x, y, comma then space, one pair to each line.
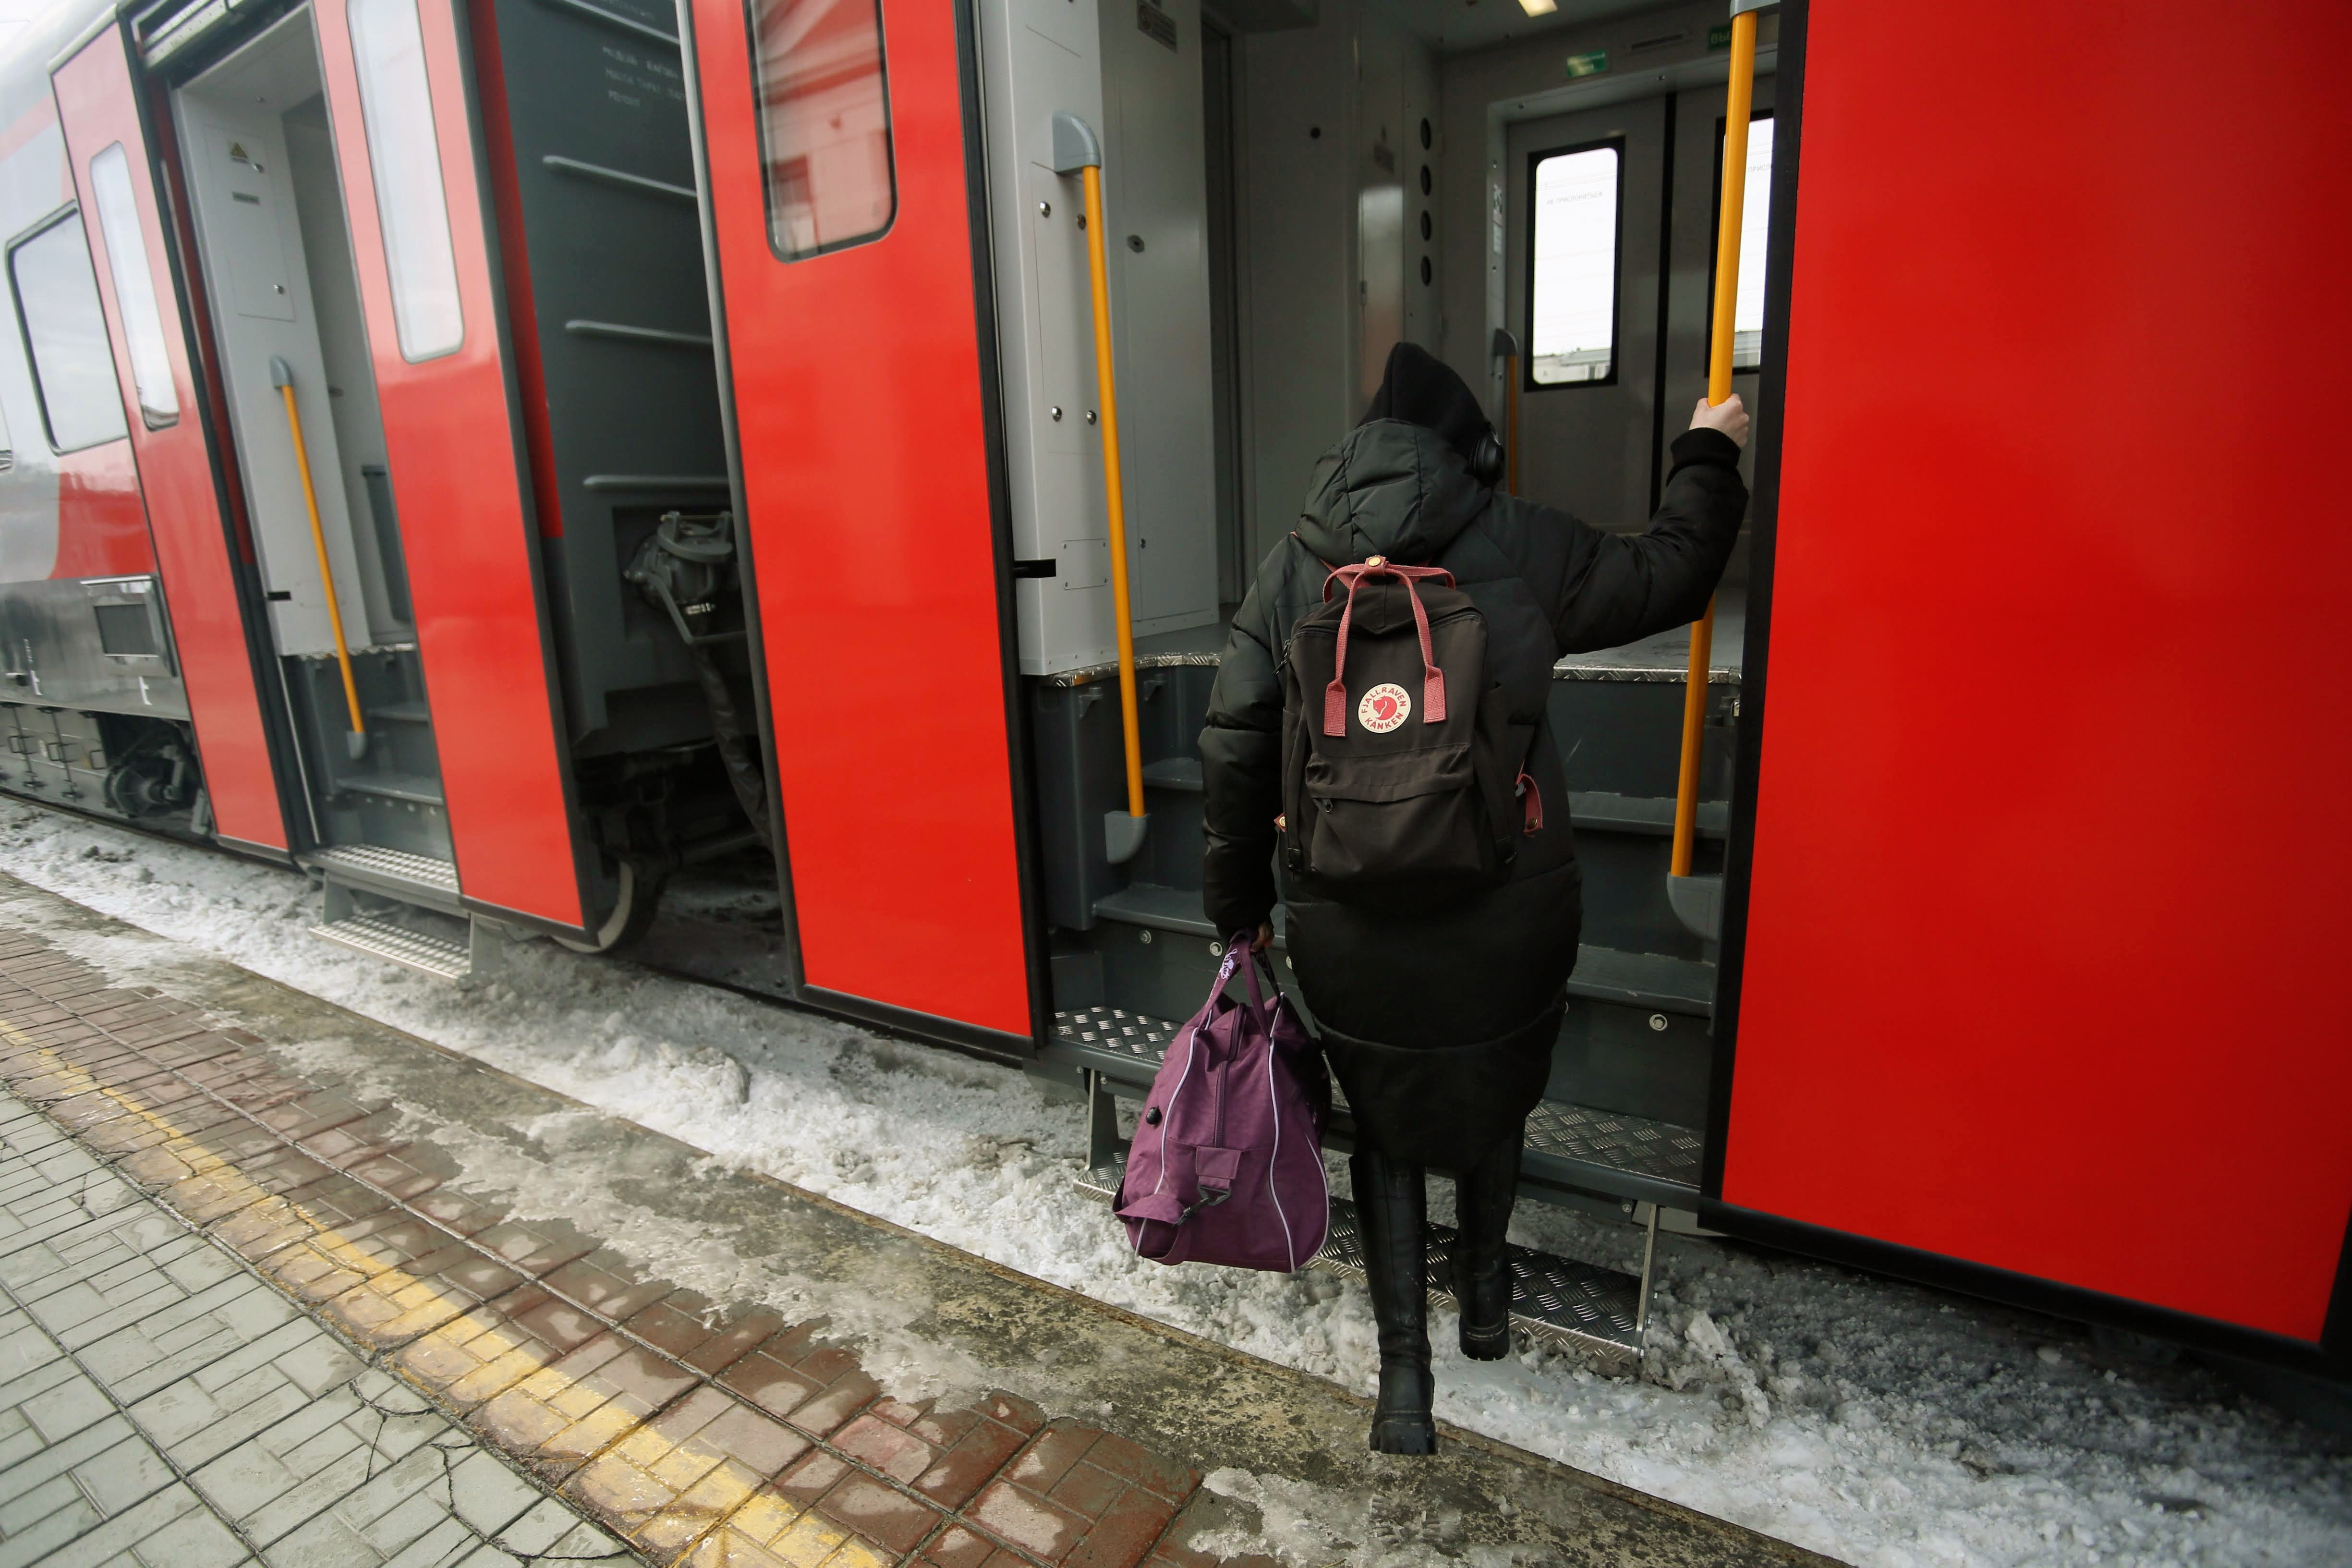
35, 1503
881, 1514
125, 1474
47, 1462
42, 1539
1020, 1517
194, 1539
323, 1541
58, 1412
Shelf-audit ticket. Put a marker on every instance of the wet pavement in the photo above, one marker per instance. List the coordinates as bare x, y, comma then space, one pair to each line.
320, 1293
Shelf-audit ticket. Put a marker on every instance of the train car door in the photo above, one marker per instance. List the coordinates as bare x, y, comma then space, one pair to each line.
404, 145
840, 178
2031, 847
106, 142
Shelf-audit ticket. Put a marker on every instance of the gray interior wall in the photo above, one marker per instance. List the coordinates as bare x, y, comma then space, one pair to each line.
1483, 91
1328, 116
342, 344
1155, 201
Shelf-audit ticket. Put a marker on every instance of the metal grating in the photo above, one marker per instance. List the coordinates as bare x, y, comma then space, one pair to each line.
1115, 1029
375, 861
1557, 1299
382, 939
1635, 1144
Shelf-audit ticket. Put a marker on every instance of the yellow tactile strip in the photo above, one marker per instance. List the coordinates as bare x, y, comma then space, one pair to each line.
701, 1436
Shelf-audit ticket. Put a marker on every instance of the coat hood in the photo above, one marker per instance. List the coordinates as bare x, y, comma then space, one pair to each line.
1390, 489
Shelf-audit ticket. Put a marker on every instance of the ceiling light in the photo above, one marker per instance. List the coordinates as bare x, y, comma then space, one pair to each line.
1539, 7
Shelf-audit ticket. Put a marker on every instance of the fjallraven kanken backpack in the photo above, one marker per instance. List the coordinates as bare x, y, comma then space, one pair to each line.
1396, 780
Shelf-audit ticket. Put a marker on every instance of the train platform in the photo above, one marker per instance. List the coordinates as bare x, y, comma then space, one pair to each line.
287, 1286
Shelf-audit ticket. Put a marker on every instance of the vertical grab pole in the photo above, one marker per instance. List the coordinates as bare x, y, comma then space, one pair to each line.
1737, 105
1076, 151
281, 376
1506, 348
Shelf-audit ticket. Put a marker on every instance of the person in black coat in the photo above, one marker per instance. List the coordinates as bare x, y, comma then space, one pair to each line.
1439, 1022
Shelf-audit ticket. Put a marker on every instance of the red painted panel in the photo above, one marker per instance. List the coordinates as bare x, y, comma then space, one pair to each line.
2048, 888
465, 523
97, 107
857, 397
101, 520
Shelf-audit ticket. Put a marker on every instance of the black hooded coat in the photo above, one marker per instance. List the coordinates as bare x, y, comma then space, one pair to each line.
1439, 1023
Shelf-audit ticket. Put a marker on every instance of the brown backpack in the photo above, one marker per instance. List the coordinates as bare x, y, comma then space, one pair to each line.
1398, 780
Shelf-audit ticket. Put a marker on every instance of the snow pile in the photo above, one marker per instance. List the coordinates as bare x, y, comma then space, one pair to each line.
1876, 1422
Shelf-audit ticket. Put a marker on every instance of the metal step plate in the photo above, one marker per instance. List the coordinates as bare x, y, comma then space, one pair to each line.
1661, 1151
1635, 1144
1557, 1300
372, 864
382, 939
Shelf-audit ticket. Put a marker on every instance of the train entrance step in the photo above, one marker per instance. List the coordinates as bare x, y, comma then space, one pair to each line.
389, 873
381, 937
1598, 1313
1579, 1148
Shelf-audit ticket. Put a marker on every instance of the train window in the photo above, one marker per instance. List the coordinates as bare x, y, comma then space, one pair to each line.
404, 156
824, 123
73, 367
1755, 219
134, 287
1573, 266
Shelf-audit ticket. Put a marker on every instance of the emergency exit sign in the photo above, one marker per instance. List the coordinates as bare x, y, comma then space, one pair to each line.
1593, 64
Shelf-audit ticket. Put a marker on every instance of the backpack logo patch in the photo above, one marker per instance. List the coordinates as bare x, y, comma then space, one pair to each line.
1384, 707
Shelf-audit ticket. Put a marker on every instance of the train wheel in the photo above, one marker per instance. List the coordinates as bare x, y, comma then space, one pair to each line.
633, 912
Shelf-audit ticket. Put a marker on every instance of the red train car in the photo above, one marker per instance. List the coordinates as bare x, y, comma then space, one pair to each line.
706, 488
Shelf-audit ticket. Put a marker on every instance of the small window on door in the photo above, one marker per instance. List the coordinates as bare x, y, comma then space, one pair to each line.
1572, 254
73, 367
134, 287
1755, 222
405, 159
824, 123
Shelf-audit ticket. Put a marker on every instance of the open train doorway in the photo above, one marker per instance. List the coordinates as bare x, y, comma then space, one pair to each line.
275, 253
1288, 194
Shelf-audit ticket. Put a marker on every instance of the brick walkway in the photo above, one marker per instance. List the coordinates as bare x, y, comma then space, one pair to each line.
159, 1406
378, 1321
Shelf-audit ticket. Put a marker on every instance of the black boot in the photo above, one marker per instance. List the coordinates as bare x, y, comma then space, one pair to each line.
1389, 1208
1482, 1276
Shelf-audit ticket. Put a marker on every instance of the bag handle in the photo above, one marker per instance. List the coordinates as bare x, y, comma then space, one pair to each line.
1433, 680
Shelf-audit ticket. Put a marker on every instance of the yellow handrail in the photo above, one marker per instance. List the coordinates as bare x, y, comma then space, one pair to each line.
1740, 103
1114, 491
282, 375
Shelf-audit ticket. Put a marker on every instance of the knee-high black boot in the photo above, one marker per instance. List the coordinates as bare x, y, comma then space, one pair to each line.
1483, 1195
1390, 1207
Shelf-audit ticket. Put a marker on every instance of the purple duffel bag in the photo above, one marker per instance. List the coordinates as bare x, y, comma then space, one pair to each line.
1227, 1163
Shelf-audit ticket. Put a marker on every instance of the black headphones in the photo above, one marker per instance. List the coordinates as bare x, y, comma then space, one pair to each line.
1485, 459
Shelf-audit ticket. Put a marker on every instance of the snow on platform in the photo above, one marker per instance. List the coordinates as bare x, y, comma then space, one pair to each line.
1875, 1421
795, 1383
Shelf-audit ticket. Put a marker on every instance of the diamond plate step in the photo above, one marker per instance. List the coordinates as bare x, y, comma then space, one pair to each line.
1557, 1300
382, 939
394, 873
1660, 1159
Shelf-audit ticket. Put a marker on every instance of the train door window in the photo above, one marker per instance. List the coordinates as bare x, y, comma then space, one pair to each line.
134, 287
1573, 264
73, 367
404, 157
824, 123
1755, 218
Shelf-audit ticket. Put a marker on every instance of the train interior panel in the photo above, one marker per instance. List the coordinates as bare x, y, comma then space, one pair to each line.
1288, 193
275, 254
